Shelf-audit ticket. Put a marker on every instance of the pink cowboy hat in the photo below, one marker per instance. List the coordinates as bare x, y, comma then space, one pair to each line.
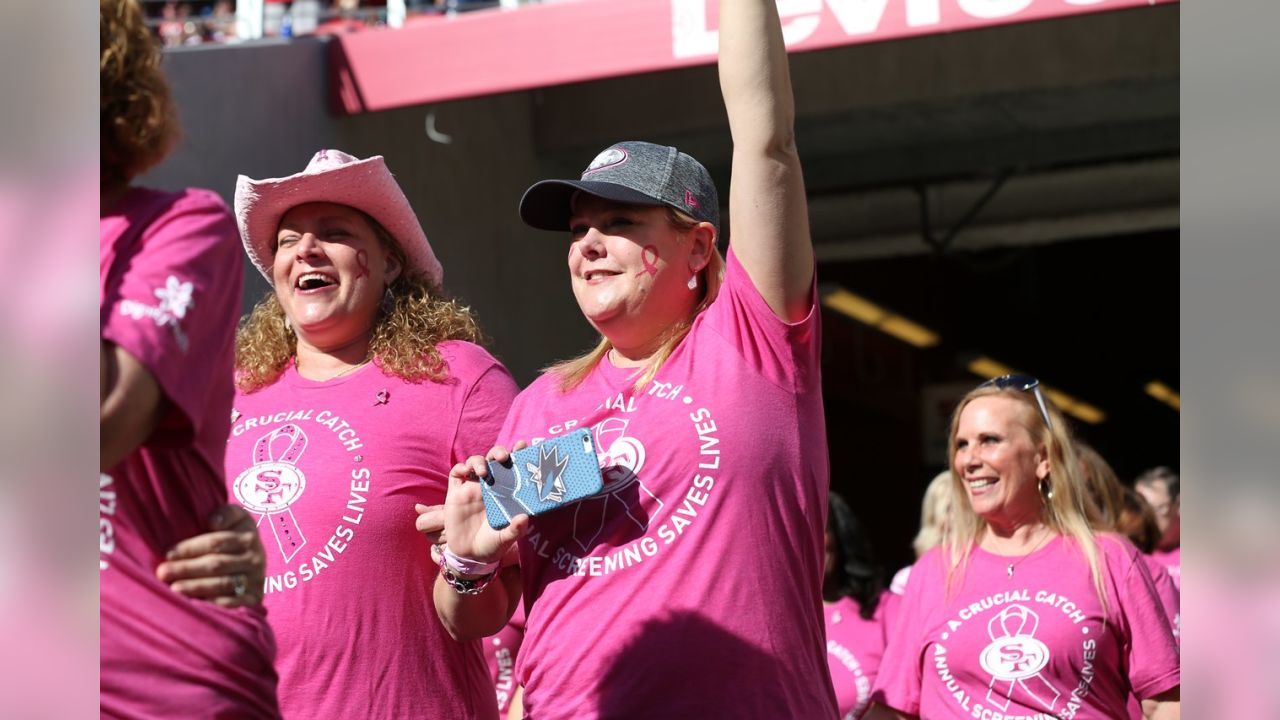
336, 177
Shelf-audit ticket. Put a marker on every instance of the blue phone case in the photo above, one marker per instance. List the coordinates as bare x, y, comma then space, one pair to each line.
552, 474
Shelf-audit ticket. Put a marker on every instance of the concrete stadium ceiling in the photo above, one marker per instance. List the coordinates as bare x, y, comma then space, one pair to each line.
1083, 96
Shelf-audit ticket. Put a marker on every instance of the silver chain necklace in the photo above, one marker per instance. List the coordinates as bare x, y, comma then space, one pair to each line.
1029, 553
340, 373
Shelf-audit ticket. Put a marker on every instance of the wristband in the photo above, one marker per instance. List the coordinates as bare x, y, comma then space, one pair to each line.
466, 566
465, 586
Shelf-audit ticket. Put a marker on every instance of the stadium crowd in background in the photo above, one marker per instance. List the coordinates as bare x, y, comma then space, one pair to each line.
197, 22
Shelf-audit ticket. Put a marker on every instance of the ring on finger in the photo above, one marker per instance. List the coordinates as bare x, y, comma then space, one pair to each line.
238, 584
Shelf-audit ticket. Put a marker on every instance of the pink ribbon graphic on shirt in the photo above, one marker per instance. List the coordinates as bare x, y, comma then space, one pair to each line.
1015, 659
275, 482
621, 457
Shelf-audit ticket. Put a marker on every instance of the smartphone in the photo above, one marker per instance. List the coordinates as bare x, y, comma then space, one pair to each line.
554, 473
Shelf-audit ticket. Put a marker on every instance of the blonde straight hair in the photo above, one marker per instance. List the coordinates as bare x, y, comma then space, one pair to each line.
572, 372
1070, 511
935, 513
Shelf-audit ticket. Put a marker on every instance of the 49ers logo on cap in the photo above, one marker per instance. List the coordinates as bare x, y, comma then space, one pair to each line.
608, 158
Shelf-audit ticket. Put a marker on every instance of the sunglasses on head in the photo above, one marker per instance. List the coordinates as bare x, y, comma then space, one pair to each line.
1026, 383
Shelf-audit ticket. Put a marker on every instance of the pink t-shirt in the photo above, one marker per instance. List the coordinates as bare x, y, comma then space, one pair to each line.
1170, 595
500, 651
170, 279
1172, 562
891, 601
854, 647
1171, 601
332, 470
1029, 646
690, 586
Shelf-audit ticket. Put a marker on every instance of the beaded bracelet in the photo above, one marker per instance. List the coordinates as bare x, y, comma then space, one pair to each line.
465, 586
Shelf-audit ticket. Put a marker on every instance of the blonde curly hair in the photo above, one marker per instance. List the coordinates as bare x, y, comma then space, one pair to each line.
404, 342
138, 122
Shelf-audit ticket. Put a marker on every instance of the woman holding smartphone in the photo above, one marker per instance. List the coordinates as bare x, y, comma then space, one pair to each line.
690, 586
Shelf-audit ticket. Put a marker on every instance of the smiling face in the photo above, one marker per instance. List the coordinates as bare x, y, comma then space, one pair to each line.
630, 268
329, 273
998, 462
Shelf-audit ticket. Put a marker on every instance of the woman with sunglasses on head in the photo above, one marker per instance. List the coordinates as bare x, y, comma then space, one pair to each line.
1028, 608
653, 598
358, 385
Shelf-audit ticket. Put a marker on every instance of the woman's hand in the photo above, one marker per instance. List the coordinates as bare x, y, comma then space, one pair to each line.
225, 566
465, 523
430, 523
469, 617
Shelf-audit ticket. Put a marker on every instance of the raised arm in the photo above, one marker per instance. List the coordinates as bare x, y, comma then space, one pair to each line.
768, 216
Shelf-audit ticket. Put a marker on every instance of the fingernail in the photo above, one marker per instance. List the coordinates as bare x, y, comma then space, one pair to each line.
173, 553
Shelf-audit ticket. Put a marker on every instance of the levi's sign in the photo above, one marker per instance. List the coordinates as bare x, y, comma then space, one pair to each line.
871, 19
490, 52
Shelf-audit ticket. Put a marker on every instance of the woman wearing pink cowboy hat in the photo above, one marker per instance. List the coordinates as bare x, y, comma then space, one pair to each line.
690, 587
358, 385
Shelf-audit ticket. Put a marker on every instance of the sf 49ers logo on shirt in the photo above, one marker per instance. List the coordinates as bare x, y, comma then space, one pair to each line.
1015, 658
621, 459
273, 483
640, 509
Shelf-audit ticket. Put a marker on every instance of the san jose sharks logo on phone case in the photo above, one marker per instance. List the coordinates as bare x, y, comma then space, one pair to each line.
538, 479
548, 474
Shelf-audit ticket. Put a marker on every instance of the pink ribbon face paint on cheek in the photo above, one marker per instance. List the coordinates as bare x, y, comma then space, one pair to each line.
649, 257
362, 261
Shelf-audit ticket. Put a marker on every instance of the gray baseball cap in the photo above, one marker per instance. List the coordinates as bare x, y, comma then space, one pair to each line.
633, 172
